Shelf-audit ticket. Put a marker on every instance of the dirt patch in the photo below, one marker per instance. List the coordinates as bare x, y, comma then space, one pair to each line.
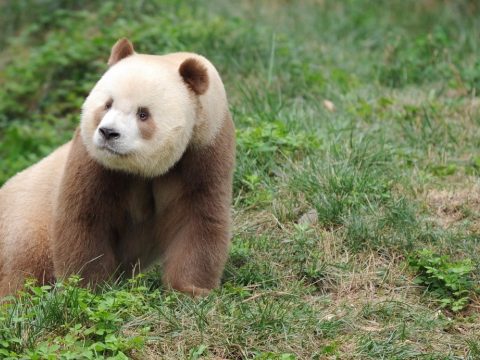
453, 206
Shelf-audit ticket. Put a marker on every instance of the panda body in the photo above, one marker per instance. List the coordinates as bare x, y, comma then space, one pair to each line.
147, 178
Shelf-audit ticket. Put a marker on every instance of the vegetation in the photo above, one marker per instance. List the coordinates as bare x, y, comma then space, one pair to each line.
450, 281
357, 192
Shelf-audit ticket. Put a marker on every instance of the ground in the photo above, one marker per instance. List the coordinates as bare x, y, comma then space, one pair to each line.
356, 194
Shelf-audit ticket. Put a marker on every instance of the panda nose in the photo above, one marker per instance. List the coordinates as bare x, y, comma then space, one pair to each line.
109, 133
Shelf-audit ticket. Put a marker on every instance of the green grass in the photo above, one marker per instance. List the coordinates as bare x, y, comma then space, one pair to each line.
393, 170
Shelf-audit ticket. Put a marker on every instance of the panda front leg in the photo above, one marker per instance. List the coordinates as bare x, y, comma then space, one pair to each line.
83, 250
87, 209
196, 256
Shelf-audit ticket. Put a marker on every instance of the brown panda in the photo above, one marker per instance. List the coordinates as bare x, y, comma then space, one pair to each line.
147, 178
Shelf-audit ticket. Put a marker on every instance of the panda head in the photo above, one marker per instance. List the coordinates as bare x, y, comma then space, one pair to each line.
140, 116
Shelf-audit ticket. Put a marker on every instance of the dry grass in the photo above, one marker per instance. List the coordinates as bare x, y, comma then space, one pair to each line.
454, 206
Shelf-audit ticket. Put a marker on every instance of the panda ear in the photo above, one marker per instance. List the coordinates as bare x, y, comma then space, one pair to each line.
195, 75
120, 50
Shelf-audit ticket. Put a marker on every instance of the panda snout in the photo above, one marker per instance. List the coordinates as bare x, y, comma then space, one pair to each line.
109, 133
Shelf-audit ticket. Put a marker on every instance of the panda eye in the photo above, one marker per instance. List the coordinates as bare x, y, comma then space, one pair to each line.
108, 104
143, 113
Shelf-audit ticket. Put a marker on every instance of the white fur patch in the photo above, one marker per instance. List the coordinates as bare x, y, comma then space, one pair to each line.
126, 126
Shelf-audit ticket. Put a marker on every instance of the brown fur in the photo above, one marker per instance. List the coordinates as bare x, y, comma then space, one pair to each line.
195, 75
120, 50
86, 216
197, 254
39, 268
25, 221
147, 128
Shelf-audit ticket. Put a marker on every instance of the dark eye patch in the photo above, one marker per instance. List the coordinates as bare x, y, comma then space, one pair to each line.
108, 104
143, 114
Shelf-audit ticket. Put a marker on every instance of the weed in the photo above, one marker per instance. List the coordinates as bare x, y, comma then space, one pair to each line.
450, 281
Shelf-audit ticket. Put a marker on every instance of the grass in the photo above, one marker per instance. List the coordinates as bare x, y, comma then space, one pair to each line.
330, 204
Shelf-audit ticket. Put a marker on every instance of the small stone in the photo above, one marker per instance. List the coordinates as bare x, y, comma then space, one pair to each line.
330, 106
309, 218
